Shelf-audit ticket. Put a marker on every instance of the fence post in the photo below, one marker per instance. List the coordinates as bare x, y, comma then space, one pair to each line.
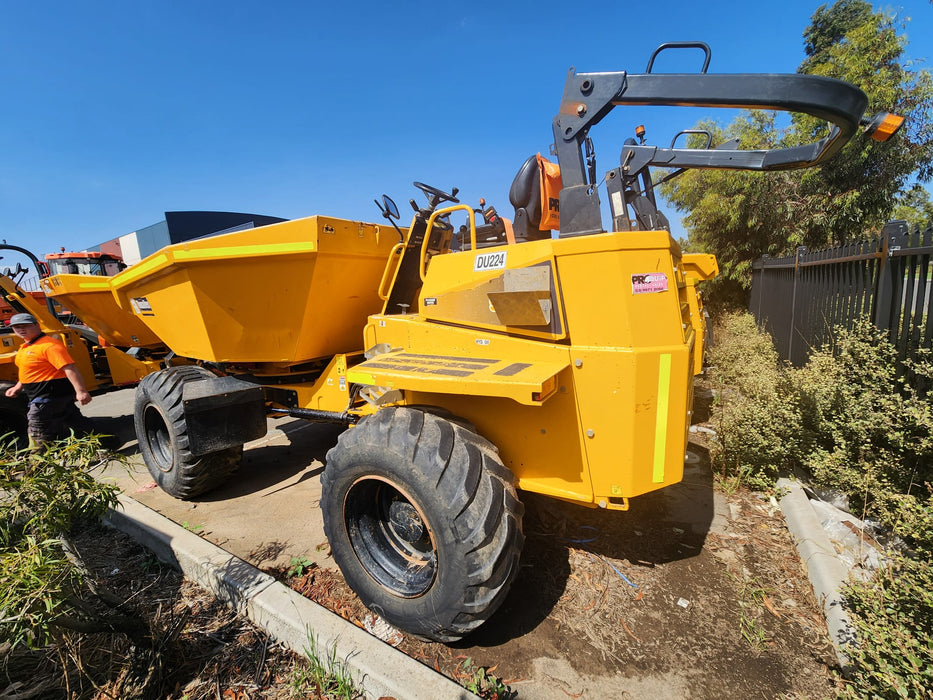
801, 250
883, 313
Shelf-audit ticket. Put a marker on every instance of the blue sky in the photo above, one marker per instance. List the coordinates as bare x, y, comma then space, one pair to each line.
113, 113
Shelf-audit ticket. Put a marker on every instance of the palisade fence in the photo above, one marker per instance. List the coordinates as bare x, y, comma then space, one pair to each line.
800, 299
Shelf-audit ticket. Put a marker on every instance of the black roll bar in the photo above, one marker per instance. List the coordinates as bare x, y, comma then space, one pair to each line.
589, 97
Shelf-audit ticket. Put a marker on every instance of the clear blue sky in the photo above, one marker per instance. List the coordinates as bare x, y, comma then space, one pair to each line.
113, 113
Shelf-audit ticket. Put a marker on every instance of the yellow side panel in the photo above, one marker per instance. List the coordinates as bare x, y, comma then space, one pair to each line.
8, 369
632, 412
540, 444
127, 370
517, 295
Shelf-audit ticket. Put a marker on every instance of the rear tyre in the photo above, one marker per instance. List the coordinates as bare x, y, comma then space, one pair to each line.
162, 431
423, 520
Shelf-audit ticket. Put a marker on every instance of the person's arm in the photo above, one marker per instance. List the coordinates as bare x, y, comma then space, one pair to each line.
74, 376
14, 390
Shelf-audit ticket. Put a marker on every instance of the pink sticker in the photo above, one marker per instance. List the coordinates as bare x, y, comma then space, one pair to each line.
649, 283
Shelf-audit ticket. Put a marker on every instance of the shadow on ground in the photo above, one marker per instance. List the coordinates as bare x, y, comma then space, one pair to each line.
661, 527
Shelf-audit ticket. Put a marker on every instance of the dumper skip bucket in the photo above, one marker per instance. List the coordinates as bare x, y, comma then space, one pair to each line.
284, 293
91, 299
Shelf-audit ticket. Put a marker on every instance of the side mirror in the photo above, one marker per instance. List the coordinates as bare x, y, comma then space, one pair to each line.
388, 208
18, 269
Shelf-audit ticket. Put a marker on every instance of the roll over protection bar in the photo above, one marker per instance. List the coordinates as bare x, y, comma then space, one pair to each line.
589, 97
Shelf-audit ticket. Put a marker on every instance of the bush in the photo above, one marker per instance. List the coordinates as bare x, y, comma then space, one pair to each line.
860, 423
43, 493
868, 432
758, 424
893, 616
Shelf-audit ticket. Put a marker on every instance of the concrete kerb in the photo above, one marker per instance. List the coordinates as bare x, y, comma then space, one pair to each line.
827, 573
378, 669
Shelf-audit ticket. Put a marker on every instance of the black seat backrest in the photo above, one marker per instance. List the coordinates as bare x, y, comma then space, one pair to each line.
525, 196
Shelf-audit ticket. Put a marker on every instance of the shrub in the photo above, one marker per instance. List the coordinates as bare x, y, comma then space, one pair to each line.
758, 424
867, 431
858, 422
43, 493
893, 618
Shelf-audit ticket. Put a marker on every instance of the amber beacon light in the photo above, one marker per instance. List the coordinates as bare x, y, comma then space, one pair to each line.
883, 125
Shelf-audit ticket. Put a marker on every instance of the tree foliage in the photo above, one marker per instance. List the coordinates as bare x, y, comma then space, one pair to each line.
741, 216
914, 206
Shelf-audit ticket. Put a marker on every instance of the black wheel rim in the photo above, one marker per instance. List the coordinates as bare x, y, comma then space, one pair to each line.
158, 438
391, 537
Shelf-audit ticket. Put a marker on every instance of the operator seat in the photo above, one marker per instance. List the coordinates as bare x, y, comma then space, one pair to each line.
525, 196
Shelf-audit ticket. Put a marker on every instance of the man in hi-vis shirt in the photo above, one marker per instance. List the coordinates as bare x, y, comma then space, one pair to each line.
51, 381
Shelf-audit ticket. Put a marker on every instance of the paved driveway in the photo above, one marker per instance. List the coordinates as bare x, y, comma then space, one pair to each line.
266, 513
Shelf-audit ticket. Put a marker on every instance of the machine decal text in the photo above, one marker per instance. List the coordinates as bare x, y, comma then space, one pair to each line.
489, 261
649, 283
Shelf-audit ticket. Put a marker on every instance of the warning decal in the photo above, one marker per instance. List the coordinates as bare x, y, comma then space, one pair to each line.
649, 283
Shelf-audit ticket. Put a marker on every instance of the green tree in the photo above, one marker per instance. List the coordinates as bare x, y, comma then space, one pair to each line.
914, 206
740, 216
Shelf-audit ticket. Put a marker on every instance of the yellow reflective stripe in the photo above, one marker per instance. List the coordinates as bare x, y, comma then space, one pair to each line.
94, 285
245, 250
140, 269
361, 378
660, 421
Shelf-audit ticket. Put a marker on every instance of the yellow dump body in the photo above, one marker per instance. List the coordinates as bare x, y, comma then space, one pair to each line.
284, 293
90, 298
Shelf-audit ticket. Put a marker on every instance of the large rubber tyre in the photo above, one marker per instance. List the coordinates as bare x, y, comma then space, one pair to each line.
423, 520
162, 431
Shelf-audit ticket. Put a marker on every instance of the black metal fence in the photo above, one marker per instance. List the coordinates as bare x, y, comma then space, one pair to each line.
800, 299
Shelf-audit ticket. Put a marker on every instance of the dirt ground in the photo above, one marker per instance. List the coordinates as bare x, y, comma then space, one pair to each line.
203, 649
644, 604
693, 593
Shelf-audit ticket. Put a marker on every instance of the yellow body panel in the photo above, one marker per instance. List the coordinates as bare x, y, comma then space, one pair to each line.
283, 293
90, 298
125, 369
697, 268
614, 423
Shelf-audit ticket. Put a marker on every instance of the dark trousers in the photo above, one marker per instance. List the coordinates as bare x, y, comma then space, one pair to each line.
52, 418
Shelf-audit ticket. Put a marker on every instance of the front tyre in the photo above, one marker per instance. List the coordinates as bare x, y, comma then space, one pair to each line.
162, 431
423, 520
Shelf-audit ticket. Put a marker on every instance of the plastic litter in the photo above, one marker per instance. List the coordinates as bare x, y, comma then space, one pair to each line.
683, 602
611, 566
851, 537
584, 540
378, 627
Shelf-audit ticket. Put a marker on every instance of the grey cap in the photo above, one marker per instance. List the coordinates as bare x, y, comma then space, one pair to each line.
23, 320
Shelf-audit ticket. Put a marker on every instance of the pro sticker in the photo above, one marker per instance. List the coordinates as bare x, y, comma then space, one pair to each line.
649, 283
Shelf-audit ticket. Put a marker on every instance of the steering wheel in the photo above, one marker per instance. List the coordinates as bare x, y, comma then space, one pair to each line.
440, 195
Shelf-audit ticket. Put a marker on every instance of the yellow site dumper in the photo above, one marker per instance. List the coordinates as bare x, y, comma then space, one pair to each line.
102, 366
470, 356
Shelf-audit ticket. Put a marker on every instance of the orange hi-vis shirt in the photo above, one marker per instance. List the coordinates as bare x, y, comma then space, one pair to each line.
42, 360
